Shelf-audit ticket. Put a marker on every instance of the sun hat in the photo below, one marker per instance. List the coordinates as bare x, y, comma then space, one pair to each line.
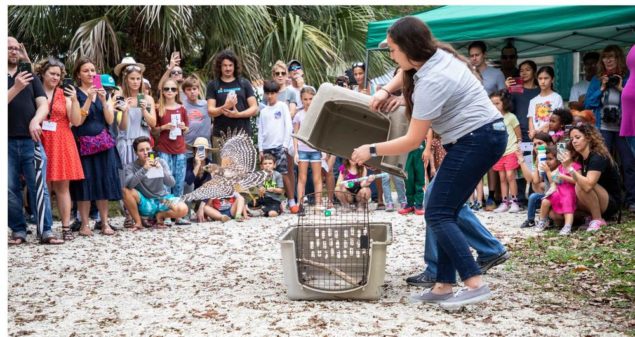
200, 141
128, 63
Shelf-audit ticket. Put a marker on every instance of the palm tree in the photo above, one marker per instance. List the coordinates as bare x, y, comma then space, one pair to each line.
324, 38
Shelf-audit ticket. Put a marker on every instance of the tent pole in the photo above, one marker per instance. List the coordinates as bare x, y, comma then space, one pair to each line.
576, 67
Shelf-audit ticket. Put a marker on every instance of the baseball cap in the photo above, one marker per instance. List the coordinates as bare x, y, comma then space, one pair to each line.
294, 65
107, 81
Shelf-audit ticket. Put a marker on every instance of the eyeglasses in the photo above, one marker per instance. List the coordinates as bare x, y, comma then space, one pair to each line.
176, 72
280, 73
14, 49
508, 57
359, 64
172, 89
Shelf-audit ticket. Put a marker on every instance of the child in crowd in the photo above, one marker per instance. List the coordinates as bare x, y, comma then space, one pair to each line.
225, 209
274, 136
563, 200
532, 177
271, 191
360, 191
415, 181
507, 165
305, 155
559, 118
542, 106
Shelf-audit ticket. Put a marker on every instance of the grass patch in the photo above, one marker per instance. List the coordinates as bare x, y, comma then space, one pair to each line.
597, 268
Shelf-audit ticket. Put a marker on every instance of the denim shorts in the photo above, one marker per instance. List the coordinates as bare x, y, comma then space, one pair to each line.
310, 156
149, 207
227, 211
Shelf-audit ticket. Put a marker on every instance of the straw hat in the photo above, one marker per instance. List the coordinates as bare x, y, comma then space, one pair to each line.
129, 64
200, 141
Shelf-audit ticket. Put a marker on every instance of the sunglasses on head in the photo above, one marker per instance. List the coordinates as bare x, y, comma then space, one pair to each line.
172, 89
280, 73
176, 72
358, 64
133, 67
295, 67
508, 57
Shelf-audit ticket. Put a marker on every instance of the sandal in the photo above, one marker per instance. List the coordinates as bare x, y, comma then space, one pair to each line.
128, 223
67, 234
106, 230
51, 240
16, 241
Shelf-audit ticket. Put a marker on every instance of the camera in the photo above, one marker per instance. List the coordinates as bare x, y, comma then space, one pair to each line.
613, 81
119, 103
25, 66
611, 114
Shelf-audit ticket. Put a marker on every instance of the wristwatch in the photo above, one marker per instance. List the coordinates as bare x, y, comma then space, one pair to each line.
373, 150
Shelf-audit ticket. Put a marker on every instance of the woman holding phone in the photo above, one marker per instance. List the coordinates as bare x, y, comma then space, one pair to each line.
137, 115
98, 154
63, 163
441, 91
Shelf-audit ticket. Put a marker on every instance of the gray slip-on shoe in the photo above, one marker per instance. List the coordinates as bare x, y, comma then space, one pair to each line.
466, 296
427, 296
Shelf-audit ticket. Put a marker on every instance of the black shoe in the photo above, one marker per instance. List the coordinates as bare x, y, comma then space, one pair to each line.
421, 280
486, 265
528, 223
76, 225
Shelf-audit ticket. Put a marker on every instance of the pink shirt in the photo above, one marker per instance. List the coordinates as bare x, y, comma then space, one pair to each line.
627, 127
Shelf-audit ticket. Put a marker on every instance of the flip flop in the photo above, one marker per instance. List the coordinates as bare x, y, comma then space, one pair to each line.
51, 240
17, 241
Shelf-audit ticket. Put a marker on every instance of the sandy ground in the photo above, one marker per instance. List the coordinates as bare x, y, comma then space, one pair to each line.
226, 279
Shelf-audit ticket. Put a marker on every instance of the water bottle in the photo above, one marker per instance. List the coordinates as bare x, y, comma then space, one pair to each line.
541, 151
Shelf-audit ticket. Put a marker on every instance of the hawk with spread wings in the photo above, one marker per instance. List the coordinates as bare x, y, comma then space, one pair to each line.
236, 172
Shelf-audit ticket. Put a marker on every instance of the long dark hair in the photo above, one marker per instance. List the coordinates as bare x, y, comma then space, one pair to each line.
595, 139
549, 71
226, 54
415, 39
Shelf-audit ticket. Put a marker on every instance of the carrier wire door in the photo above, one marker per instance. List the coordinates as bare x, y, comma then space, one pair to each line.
332, 245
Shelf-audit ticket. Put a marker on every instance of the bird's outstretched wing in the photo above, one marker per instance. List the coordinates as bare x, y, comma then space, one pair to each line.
250, 180
218, 187
238, 153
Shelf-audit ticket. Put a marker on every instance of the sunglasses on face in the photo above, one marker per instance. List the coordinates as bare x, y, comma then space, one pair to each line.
172, 89
176, 72
280, 73
508, 57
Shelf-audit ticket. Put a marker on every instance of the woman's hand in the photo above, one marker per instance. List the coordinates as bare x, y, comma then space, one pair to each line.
509, 82
565, 159
604, 79
101, 93
379, 99
519, 156
70, 91
426, 156
361, 154
182, 126
619, 86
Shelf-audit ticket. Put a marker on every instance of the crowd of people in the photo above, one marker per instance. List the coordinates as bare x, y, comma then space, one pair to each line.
103, 140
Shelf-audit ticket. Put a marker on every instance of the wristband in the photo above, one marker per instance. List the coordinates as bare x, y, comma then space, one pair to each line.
373, 150
386, 90
83, 112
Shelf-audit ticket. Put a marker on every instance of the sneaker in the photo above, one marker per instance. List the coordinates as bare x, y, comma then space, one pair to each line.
566, 230
487, 265
542, 225
514, 208
490, 205
407, 210
427, 296
528, 223
182, 222
466, 296
380, 207
294, 209
594, 225
477, 206
390, 207
420, 280
403, 205
419, 211
503, 207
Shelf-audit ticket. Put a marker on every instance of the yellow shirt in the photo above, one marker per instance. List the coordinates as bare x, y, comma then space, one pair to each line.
511, 122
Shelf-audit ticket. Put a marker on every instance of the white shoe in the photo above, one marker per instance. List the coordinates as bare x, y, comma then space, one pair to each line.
566, 230
503, 207
514, 208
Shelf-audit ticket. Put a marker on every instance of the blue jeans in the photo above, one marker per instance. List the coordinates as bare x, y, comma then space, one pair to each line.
533, 204
621, 144
21, 161
467, 160
177, 164
477, 236
400, 186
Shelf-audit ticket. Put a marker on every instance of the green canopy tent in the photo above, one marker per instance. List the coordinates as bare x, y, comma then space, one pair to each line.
535, 30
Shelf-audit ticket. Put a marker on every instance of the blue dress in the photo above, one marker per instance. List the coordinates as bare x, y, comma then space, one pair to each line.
101, 176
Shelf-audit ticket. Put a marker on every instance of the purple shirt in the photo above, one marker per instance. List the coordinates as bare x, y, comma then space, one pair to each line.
628, 99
